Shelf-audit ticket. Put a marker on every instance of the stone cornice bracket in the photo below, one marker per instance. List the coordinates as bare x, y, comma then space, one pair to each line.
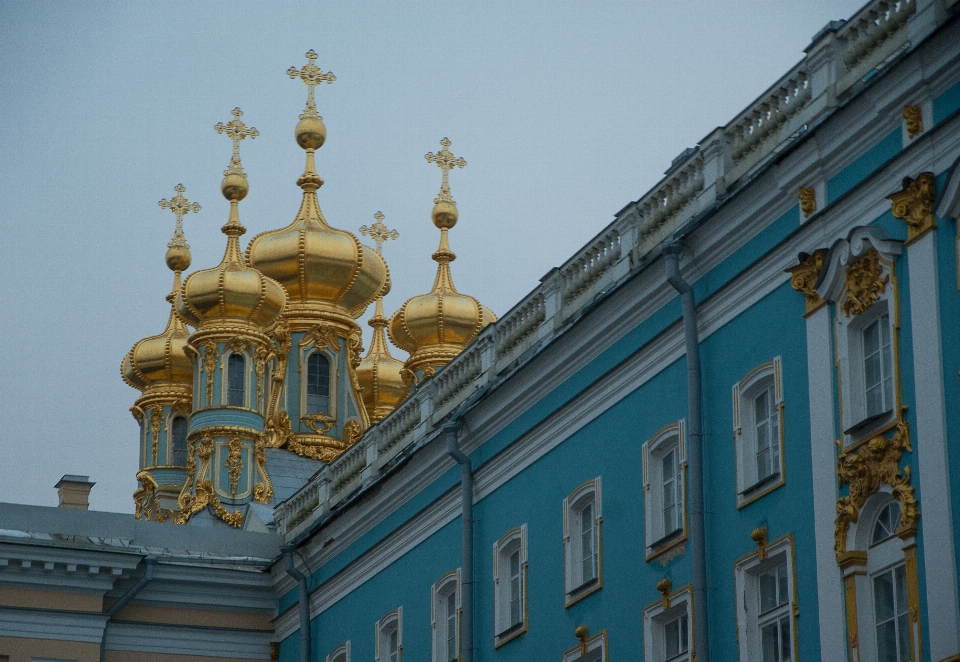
914, 205
804, 276
833, 282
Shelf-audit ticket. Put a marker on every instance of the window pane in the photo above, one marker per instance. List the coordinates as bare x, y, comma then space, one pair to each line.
768, 591
318, 384
786, 644
515, 588
671, 636
178, 454
887, 642
782, 591
883, 597
587, 544
769, 645
236, 366
393, 646
451, 608
684, 635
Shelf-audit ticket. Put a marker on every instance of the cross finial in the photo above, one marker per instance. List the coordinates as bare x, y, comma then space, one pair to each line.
312, 75
379, 232
446, 161
180, 206
236, 130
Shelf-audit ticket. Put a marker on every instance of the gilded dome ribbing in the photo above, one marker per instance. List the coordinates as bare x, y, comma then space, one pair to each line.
436, 326
322, 268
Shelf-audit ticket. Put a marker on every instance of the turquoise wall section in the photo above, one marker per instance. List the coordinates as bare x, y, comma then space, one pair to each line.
865, 165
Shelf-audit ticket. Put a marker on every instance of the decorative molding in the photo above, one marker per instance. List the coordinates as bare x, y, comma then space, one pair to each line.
665, 586
804, 275
808, 200
759, 536
864, 283
871, 465
913, 119
914, 205
234, 464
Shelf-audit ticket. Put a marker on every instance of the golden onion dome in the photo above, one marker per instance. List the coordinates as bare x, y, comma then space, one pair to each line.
163, 359
379, 373
436, 326
320, 267
232, 293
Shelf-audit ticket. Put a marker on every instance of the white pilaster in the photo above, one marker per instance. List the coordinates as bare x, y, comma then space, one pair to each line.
824, 466
940, 561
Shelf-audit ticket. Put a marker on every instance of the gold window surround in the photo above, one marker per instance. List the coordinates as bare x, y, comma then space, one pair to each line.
519, 534
765, 555
587, 490
771, 373
649, 450
308, 347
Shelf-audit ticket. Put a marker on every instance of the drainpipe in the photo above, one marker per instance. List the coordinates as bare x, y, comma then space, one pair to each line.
451, 429
150, 562
671, 253
303, 599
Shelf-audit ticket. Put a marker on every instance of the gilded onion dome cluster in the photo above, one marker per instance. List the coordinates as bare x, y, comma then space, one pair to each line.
436, 326
379, 374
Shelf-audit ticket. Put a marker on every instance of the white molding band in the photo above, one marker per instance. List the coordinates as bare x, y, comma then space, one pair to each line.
833, 636
939, 557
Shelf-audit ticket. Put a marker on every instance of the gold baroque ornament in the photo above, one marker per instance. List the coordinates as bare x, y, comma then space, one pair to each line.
874, 464
759, 536
808, 200
351, 432
321, 336
665, 586
318, 422
804, 277
914, 205
238, 345
865, 282
156, 420
234, 464
278, 431
263, 490
913, 118
210, 364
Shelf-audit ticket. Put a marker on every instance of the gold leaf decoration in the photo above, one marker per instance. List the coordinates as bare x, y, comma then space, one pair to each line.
865, 282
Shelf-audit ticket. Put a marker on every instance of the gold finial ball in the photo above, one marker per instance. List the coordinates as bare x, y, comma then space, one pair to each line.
234, 186
311, 133
445, 214
178, 258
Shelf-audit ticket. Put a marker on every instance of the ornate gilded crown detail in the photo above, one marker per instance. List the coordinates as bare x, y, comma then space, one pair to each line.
914, 205
236, 130
180, 206
446, 161
312, 75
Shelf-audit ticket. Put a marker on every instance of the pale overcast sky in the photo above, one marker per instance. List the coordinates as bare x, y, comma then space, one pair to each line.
565, 112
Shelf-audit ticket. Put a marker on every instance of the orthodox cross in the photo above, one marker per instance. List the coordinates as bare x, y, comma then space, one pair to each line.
180, 206
446, 161
236, 130
312, 75
379, 232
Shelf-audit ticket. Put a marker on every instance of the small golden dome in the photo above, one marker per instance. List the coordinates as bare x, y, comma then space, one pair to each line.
379, 373
436, 326
231, 294
160, 360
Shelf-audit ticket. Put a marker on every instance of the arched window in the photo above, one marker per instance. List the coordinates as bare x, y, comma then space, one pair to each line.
318, 384
236, 380
178, 453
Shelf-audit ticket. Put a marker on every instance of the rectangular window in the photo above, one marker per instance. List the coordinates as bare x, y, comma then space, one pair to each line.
766, 609
664, 485
446, 618
890, 614
667, 628
878, 366
509, 585
390, 637
582, 541
758, 432
675, 637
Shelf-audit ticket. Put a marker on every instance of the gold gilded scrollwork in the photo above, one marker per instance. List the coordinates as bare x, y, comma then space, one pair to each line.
913, 118
759, 536
808, 200
234, 464
352, 432
321, 336
865, 282
914, 205
429, 371
804, 277
278, 431
147, 504
665, 586
210, 365
355, 348
318, 422
874, 464
156, 420
263, 490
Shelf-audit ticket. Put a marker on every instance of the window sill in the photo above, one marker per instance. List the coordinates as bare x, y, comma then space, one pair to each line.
669, 541
582, 591
510, 634
760, 489
864, 425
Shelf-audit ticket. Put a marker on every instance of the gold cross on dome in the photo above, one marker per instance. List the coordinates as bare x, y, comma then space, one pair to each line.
236, 130
446, 161
180, 206
379, 232
312, 75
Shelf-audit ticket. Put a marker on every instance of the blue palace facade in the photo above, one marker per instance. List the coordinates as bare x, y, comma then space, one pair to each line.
727, 428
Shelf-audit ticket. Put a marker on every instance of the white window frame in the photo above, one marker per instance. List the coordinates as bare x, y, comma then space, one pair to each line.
593, 649
882, 557
440, 617
341, 653
575, 586
765, 378
657, 615
513, 541
390, 621
748, 571
669, 438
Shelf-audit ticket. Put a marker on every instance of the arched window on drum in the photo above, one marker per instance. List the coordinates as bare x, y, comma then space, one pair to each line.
178, 453
236, 380
318, 384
